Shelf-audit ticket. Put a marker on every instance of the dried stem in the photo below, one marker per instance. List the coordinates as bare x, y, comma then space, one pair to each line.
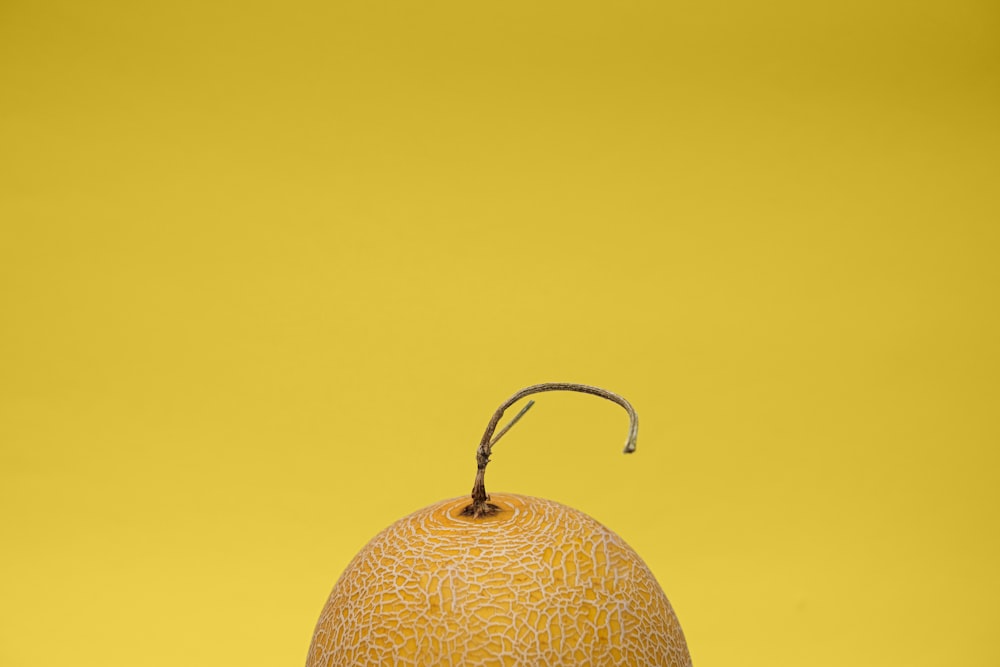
480, 499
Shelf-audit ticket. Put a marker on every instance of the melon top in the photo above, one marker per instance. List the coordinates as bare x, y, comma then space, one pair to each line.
536, 583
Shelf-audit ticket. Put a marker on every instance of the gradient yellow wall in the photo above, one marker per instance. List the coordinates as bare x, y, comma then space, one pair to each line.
267, 269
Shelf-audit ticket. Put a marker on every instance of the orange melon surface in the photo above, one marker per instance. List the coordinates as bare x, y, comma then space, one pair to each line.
538, 583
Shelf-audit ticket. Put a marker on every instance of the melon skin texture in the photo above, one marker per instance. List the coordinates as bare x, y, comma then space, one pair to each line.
538, 583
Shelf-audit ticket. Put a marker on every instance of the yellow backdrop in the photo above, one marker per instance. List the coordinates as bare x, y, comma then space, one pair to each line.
268, 267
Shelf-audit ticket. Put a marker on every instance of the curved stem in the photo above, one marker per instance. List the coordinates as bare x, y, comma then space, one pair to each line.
480, 499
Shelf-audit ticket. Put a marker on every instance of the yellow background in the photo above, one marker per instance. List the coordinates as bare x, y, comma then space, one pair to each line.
268, 268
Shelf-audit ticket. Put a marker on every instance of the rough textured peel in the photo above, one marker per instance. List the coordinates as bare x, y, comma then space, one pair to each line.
538, 583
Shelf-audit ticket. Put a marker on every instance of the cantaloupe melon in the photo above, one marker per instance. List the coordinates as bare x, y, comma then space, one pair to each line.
514, 580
